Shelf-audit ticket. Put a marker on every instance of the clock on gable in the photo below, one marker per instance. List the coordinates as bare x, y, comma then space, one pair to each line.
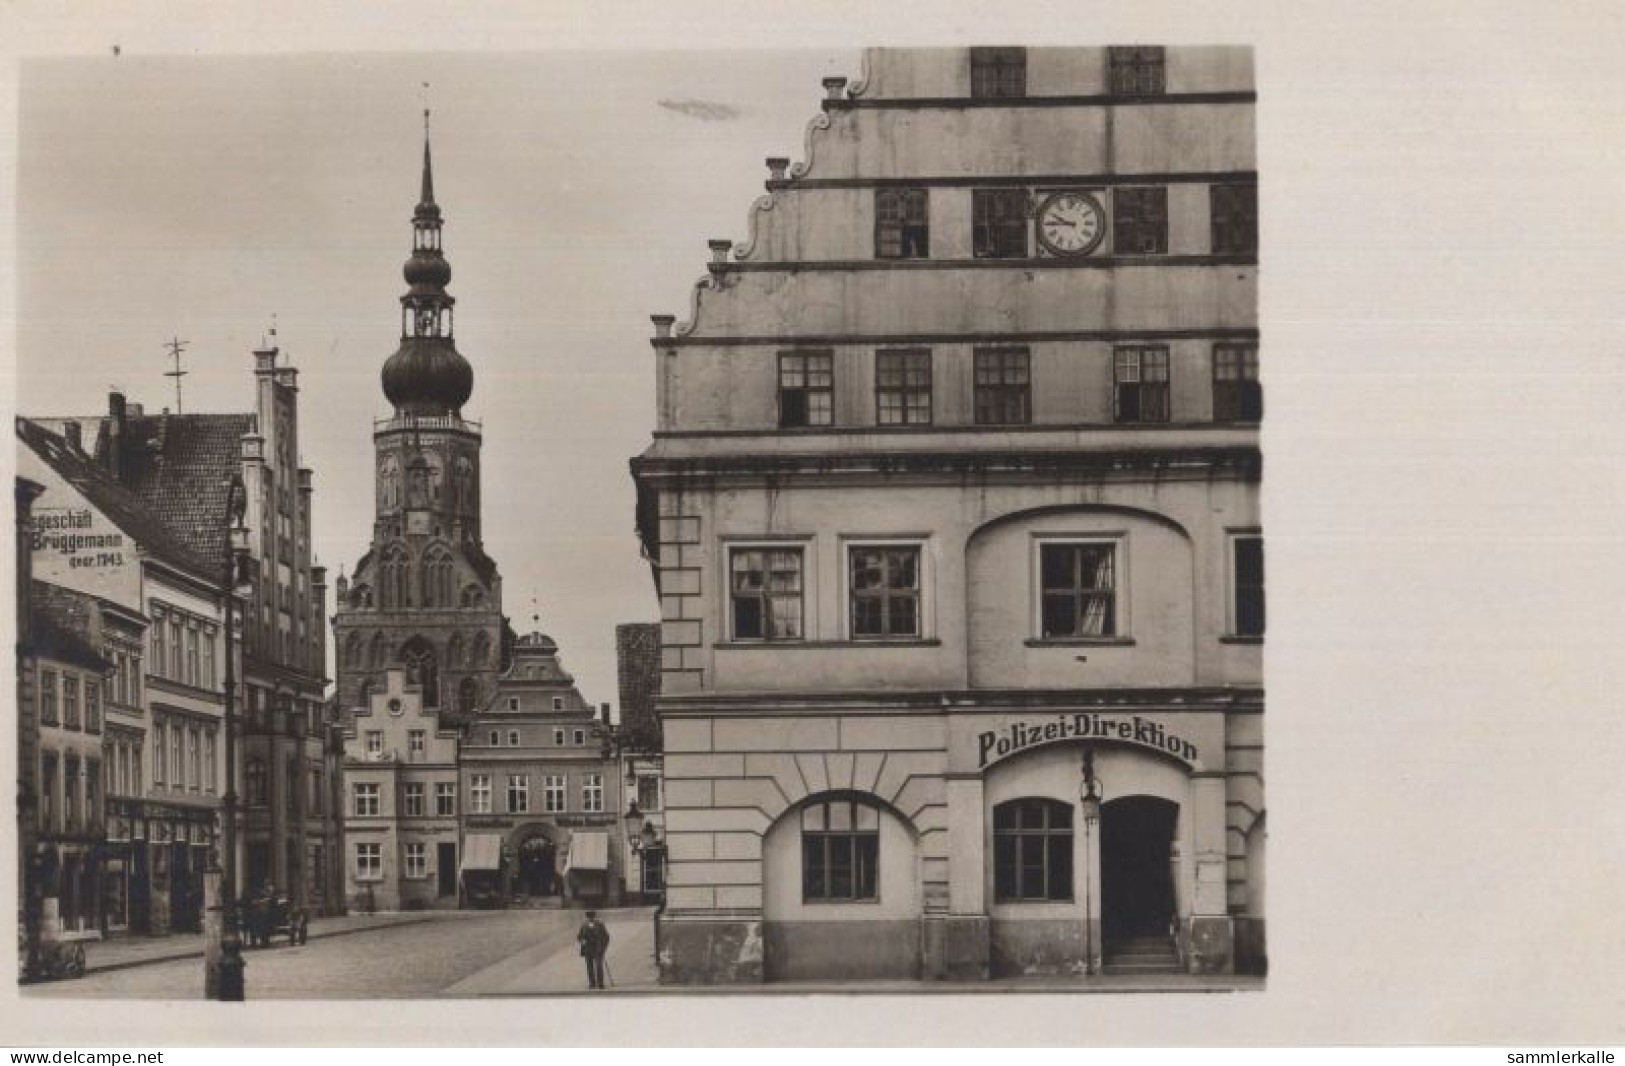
1071, 223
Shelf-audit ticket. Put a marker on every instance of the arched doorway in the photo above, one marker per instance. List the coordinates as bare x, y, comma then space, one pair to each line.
1136, 875
534, 869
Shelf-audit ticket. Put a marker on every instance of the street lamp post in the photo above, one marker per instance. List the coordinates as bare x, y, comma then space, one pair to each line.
1090, 802
645, 842
229, 981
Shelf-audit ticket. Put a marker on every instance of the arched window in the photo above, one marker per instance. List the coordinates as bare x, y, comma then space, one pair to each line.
254, 781
437, 577
352, 650
468, 694
482, 651
1032, 851
375, 651
422, 669
454, 652
394, 578
840, 851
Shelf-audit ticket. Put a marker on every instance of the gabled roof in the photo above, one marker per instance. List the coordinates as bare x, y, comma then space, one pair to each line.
122, 507
180, 466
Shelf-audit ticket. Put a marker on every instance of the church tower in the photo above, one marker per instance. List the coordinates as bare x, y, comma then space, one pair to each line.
425, 599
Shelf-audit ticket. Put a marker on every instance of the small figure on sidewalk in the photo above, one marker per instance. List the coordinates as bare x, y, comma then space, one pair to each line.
594, 940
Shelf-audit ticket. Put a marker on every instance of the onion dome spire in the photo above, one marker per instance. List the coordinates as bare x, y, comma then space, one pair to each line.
426, 376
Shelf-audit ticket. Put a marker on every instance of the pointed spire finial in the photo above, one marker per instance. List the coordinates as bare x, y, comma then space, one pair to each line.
428, 171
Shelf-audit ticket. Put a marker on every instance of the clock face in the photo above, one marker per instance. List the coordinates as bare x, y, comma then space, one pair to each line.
1071, 223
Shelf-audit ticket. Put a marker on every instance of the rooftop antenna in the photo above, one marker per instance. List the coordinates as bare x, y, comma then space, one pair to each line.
176, 346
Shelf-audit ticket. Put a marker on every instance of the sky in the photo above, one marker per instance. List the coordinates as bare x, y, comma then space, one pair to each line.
198, 197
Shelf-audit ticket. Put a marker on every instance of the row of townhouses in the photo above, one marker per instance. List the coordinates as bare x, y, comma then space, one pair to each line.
126, 559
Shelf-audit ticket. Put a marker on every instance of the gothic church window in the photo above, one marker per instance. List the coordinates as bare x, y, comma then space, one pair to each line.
437, 578
422, 670
394, 584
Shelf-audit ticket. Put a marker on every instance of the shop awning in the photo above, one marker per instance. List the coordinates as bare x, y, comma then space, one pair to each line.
482, 851
588, 851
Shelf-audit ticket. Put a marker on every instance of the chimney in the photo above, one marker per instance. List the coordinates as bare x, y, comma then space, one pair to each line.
603, 713
117, 435
71, 434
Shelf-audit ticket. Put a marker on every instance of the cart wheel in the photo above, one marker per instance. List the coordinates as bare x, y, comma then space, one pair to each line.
75, 964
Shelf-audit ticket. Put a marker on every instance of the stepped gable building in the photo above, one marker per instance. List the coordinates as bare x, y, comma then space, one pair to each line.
181, 466
401, 820
953, 510
425, 599
542, 800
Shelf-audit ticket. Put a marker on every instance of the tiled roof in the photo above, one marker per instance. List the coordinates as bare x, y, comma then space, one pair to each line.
59, 626
122, 507
180, 466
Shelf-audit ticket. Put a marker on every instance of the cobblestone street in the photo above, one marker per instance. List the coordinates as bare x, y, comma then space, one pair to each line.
452, 952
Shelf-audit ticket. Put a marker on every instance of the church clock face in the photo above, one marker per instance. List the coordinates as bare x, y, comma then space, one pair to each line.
1071, 223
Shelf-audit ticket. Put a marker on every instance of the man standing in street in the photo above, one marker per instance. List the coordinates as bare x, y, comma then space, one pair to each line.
594, 940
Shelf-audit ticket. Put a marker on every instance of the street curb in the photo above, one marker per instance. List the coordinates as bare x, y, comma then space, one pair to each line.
198, 954
934, 989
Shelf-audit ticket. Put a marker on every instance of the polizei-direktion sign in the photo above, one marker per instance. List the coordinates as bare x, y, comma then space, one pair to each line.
995, 744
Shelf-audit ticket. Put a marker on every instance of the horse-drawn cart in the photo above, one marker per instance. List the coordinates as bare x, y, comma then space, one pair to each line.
268, 915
